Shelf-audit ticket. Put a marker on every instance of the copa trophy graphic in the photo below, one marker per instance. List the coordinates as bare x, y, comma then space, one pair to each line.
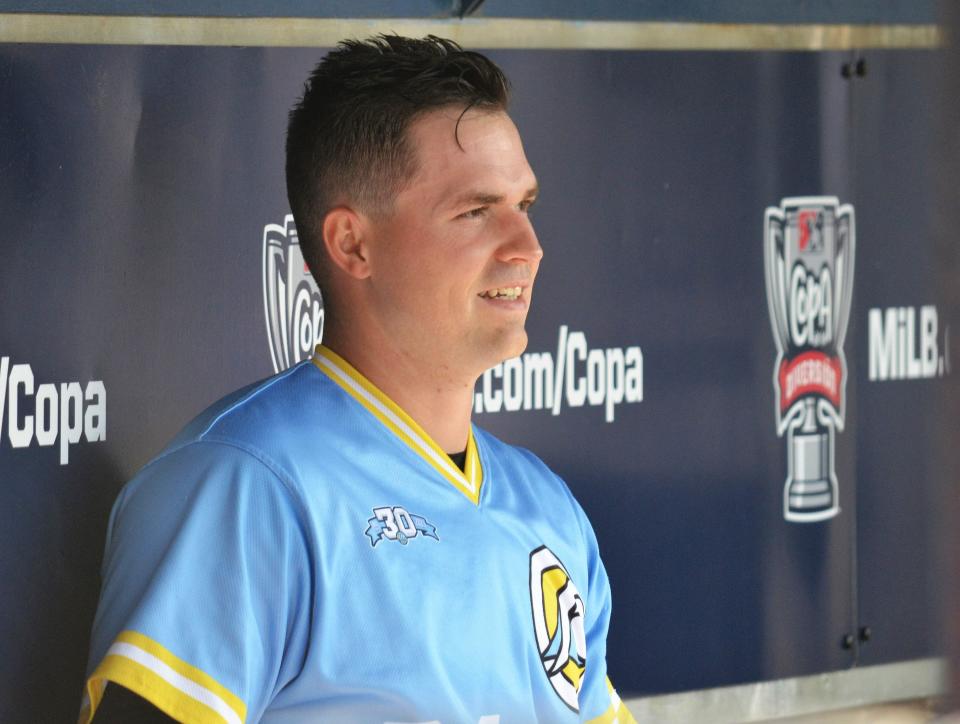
808, 256
291, 299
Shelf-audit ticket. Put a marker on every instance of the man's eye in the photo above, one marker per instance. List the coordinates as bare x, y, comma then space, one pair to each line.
474, 213
525, 205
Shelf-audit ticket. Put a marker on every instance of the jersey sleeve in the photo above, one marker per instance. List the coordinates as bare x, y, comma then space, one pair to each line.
599, 702
207, 588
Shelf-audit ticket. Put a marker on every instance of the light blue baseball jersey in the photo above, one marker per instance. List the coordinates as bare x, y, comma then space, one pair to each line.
304, 551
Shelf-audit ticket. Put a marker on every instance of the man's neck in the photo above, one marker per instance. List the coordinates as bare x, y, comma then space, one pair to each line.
438, 402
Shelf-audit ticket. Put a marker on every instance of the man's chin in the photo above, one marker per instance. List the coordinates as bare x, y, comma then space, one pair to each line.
492, 349
511, 344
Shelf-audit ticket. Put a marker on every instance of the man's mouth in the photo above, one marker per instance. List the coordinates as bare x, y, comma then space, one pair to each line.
502, 293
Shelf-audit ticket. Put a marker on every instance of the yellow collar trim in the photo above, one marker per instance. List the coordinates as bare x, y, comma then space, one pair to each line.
402, 425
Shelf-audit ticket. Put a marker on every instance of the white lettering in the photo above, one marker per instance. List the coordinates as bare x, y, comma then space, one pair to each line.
902, 334
307, 321
71, 405
317, 318
512, 384
4, 374
596, 377
798, 303
58, 411
385, 516
811, 318
825, 318
404, 522
901, 348
913, 362
928, 340
539, 381
95, 418
614, 396
561, 366
882, 343
576, 386
634, 375
20, 376
47, 411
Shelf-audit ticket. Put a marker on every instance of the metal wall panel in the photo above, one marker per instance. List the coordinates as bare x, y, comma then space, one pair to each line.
904, 483
743, 11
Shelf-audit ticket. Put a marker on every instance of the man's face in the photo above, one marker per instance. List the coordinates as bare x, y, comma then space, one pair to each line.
449, 258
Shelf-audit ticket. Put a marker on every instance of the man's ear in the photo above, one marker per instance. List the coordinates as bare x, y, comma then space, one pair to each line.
344, 236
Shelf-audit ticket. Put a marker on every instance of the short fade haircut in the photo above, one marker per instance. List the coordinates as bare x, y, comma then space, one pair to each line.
347, 137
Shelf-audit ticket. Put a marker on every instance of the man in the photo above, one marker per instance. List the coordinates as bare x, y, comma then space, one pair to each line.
338, 543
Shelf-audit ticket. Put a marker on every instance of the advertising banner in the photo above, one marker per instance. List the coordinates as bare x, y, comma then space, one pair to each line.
736, 348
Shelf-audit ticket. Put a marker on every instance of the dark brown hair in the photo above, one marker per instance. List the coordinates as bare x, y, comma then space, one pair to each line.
346, 138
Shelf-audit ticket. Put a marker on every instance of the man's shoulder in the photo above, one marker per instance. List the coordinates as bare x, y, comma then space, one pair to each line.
514, 455
261, 411
266, 418
256, 433
522, 465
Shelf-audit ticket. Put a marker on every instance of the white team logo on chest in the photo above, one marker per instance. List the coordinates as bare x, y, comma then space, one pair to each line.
558, 622
395, 523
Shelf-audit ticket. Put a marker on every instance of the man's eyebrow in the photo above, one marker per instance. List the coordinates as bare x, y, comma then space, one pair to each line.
483, 198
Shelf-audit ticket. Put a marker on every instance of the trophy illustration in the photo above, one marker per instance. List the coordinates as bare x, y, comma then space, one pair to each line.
291, 299
808, 256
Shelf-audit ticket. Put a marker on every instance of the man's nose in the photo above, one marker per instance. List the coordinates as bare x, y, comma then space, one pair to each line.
520, 243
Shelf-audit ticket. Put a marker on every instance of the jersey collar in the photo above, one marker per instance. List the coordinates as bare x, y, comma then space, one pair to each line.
402, 425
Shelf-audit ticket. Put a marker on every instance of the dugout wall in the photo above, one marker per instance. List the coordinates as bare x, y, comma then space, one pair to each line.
742, 353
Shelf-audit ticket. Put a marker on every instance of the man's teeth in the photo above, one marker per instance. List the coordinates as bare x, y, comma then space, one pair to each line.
504, 293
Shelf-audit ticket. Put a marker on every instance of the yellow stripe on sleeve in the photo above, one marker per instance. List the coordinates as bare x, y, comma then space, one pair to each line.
180, 690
